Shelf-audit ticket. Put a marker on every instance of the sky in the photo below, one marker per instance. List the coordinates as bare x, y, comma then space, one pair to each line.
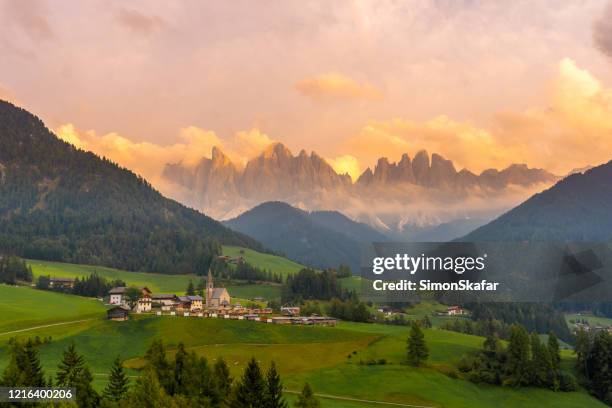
485, 84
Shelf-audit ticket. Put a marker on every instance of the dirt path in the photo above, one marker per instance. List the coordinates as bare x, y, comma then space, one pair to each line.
338, 397
44, 326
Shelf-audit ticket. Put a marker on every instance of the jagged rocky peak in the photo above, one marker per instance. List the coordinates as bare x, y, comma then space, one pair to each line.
420, 167
366, 177
219, 158
277, 151
382, 171
440, 173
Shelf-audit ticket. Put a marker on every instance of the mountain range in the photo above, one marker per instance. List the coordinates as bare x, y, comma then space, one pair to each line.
64, 204
399, 199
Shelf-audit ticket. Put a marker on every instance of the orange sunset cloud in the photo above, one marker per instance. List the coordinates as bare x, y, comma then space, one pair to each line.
573, 130
335, 86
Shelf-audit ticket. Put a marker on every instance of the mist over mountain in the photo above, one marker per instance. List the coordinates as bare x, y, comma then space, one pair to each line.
577, 208
64, 204
321, 239
400, 198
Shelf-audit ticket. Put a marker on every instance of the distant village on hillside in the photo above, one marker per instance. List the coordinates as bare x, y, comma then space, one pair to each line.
215, 304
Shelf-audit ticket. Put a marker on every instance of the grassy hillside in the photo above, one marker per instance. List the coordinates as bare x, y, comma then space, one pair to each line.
22, 307
276, 264
158, 283
163, 283
317, 355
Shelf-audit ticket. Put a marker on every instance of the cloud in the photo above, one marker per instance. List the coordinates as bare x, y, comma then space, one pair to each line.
466, 144
144, 158
148, 159
335, 86
31, 17
573, 130
138, 22
248, 144
602, 31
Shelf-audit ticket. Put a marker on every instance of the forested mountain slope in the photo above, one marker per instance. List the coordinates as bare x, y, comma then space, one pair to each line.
61, 203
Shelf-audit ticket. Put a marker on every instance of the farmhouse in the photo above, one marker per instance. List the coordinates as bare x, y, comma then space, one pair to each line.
216, 297
117, 296
454, 311
59, 283
118, 313
144, 301
290, 310
165, 301
190, 303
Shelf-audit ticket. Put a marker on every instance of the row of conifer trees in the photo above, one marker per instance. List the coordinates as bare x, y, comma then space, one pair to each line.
187, 381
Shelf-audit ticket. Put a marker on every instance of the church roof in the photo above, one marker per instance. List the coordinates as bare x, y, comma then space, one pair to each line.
218, 292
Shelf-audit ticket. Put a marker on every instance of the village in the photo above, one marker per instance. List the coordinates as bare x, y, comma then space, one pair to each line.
215, 304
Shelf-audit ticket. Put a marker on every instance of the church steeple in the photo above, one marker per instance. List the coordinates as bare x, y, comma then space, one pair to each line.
210, 288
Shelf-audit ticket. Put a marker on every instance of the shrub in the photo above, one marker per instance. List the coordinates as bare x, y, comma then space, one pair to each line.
567, 382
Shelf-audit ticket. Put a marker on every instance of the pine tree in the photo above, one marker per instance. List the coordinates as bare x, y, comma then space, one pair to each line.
517, 362
599, 362
491, 344
148, 392
190, 289
554, 350
250, 391
32, 369
222, 378
417, 351
541, 364
180, 370
69, 368
274, 389
581, 349
156, 358
307, 399
117, 386
86, 396
13, 374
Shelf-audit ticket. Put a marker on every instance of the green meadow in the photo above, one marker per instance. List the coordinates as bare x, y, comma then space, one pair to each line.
158, 283
273, 263
591, 319
162, 283
23, 307
331, 359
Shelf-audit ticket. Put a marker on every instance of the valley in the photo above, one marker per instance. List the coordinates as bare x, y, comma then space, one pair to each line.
317, 355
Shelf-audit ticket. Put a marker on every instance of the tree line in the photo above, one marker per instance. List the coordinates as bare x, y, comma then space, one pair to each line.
594, 363
351, 309
13, 270
188, 380
93, 285
309, 284
481, 328
535, 317
244, 271
526, 361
